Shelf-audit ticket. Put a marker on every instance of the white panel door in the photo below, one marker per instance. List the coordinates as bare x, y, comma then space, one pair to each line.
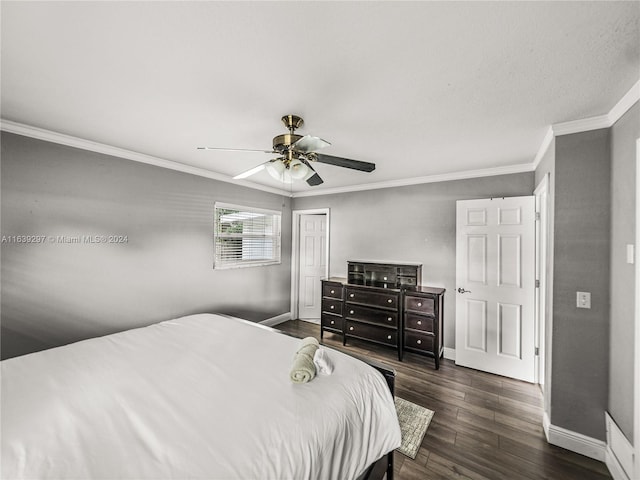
495, 291
313, 262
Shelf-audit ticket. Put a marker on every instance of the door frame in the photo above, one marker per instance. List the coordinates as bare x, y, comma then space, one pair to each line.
296, 215
541, 193
636, 387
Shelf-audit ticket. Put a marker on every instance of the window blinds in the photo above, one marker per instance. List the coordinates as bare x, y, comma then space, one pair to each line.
245, 236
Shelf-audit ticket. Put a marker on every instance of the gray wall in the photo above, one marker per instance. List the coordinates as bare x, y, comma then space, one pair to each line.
582, 198
623, 170
414, 223
53, 293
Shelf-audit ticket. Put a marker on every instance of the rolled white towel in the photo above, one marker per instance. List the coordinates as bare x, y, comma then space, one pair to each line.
323, 362
303, 369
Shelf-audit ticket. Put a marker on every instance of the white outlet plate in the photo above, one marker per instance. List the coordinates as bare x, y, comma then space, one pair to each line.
583, 299
630, 253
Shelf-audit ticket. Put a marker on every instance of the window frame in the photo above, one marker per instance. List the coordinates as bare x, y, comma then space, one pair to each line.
219, 264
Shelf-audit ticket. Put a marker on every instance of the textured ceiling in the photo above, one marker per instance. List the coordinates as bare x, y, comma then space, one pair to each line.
419, 88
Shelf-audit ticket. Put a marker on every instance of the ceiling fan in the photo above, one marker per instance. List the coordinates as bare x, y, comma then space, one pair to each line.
296, 153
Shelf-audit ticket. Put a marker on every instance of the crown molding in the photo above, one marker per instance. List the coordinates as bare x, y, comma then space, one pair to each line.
544, 146
601, 121
625, 103
75, 142
582, 125
68, 140
445, 177
587, 124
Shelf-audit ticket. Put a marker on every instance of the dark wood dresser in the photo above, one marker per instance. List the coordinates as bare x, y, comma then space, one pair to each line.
423, 314
373, 314
385, 304
331, 306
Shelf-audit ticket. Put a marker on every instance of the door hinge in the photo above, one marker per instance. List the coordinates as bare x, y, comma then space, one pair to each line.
537, 216
537, 283
537, 351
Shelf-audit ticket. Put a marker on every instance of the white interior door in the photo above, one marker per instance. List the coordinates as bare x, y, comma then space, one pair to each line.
313, 263
495, 274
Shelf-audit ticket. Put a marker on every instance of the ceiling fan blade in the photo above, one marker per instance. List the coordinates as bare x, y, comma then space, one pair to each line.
308, 144
344, 162
314, 179
251, 171
235, 149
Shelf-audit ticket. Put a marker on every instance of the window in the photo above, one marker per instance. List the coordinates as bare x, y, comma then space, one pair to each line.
245, 236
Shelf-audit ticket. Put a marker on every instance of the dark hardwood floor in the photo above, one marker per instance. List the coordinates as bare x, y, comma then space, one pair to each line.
485, 426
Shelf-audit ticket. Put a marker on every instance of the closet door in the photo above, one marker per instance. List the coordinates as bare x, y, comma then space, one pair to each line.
313, 263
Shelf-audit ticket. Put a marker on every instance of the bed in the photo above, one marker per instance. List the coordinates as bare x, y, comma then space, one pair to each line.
200, 397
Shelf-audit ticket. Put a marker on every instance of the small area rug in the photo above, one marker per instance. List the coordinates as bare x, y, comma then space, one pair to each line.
414, 421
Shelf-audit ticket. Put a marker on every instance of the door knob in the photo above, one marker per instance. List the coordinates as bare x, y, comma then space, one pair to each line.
462, 290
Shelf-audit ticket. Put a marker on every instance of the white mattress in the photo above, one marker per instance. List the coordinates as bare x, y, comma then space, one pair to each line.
199, 397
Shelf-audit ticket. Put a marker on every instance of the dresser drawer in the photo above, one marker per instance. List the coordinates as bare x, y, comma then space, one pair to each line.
371, 332
420, 304
419, 341
377, 299
331, 322
330, 305
366, 314
332, 290
419, 322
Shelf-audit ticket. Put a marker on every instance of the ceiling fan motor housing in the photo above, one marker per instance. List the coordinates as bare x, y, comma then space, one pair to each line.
281, 143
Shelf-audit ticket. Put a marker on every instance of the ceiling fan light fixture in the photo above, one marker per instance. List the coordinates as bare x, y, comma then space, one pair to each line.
276, 168
286, 177
298, 170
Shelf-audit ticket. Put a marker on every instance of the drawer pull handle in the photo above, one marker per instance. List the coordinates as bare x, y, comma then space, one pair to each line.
419, 304
333, 291
332, 307
390, 300
385, 278
332, 322
352, 295
389, 318
419, 322
350, 312
350, 328
419, 342
388, 337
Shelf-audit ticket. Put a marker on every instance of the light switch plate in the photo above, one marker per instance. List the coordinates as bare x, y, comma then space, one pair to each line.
630, 253
583, 299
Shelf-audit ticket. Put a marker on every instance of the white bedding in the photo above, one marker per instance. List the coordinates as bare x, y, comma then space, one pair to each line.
199, 397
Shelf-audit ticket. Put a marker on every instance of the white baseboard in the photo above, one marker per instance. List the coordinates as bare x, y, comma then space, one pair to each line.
449, 353
270, 322
315, 321
545, 425
619, 452
576, 442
